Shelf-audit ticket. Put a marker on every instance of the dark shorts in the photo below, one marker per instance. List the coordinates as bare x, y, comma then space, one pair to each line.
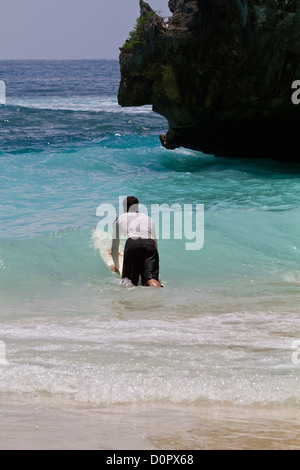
140, 259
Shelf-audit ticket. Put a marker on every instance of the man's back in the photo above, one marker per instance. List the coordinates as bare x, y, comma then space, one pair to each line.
134, 225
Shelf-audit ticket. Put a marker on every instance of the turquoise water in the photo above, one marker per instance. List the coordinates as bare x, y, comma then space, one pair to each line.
224, 328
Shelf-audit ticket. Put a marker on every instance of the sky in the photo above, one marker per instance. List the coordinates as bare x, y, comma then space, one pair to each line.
67, 29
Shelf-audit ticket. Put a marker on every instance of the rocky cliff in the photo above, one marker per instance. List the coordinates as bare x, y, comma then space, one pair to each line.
220, 72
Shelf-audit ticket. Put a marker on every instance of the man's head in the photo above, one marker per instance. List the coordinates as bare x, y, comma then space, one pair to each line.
131, 204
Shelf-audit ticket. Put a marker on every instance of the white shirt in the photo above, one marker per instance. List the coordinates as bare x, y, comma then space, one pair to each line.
131, 225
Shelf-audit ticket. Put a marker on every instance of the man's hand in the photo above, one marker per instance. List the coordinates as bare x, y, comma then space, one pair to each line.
114, 270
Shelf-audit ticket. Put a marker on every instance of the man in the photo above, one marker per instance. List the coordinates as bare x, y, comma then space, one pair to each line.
140, 255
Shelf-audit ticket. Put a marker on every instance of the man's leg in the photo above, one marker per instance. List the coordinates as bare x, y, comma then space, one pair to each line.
150, 274
130, 268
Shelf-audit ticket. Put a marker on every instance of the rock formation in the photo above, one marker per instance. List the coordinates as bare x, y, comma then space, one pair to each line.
221, 73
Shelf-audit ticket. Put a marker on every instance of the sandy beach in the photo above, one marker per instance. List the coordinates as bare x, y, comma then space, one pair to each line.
44, 425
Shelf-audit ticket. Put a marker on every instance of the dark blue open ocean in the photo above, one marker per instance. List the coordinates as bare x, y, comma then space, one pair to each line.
225, 327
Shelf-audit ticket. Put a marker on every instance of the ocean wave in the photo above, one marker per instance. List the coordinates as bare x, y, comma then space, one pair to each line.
48, 123
80, 104
46, 263
138, 361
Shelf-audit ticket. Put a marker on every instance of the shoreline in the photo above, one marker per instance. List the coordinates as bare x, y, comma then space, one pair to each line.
29, 424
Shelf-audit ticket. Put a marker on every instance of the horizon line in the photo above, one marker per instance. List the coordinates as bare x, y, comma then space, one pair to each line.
56, 60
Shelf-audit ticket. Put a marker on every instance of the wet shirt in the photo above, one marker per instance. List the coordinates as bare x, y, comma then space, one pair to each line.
132, 225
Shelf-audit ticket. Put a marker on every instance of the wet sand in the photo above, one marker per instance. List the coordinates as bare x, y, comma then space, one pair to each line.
31, 424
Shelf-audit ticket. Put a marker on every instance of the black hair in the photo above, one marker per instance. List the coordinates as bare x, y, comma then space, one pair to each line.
129, 202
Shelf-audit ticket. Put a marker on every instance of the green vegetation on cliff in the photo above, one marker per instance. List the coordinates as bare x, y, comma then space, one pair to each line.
137, 35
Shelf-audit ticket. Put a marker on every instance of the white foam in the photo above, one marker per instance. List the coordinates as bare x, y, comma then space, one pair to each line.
90, 104
219, 358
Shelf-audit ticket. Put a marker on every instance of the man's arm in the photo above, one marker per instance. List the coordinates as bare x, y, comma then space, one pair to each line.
115, 246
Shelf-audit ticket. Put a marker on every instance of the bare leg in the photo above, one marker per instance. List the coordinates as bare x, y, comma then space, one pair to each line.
153, 283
